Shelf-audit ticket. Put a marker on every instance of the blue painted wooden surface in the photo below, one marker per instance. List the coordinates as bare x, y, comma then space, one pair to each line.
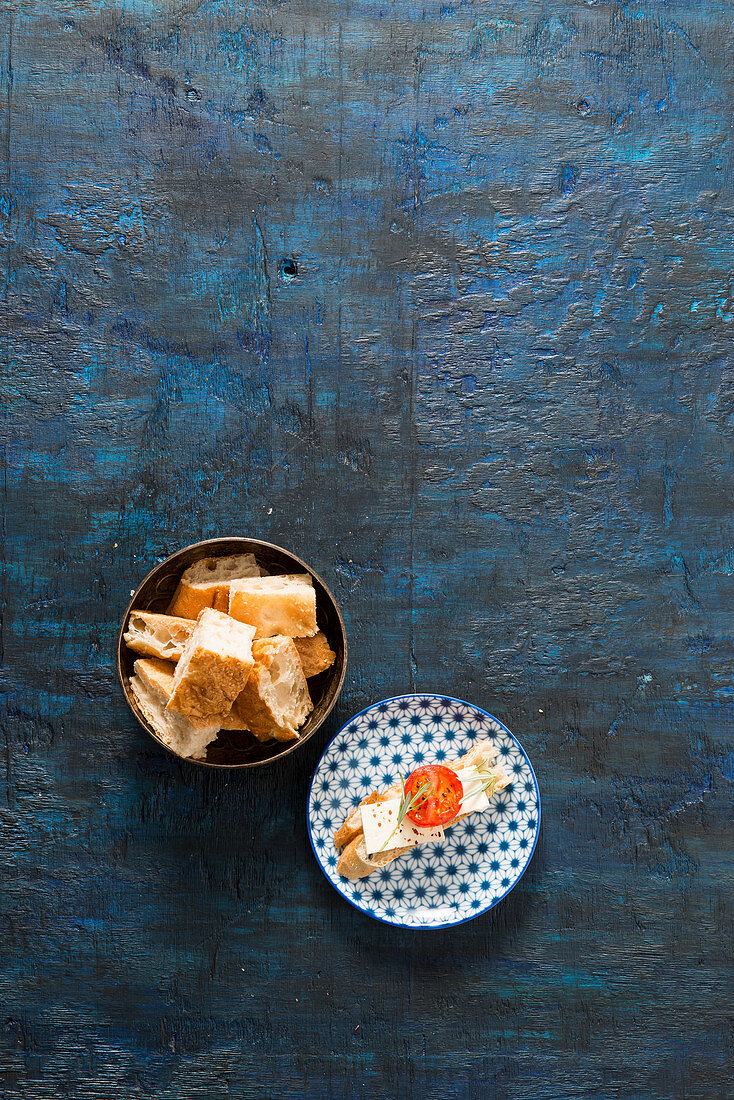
441, 298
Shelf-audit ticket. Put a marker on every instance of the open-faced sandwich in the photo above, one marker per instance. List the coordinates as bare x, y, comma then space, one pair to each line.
234, 652
387, 824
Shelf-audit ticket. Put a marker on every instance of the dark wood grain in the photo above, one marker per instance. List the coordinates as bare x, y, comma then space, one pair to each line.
441, 299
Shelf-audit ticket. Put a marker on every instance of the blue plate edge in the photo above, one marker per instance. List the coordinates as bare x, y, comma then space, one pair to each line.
398, 924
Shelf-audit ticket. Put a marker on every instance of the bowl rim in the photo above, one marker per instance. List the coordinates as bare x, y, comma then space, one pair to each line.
289, 746
446, 924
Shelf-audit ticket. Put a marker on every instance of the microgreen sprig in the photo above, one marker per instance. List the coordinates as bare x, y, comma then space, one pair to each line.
407, 803
489, 782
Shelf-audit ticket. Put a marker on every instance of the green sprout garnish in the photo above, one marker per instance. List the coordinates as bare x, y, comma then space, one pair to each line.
489, 782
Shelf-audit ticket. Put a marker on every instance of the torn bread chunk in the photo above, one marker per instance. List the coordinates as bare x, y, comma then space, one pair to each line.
206, 584
354, 860
233, 722
157, 675
214, 667
151, 686
154, 635
316, 654
275, 605
275, 701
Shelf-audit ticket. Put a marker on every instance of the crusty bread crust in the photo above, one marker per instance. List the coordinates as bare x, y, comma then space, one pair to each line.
284, 605
316, 654
233, 721
208, 692
256, 705
214, 668
188, 601
354, 863
255, 713
206, 584
151, 686
237, 720
157, 675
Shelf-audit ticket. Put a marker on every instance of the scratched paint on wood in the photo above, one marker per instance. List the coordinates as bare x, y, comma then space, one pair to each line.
441, 299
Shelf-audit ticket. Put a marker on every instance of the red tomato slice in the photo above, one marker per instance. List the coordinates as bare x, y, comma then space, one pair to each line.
440, 802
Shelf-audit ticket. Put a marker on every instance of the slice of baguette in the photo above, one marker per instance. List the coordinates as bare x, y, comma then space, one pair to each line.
354, 863
215, 666
157, 635
275, 701
206, 584
275, 605
151, 685
316, 654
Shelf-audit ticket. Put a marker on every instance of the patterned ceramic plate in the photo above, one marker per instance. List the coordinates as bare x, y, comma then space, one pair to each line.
480, 859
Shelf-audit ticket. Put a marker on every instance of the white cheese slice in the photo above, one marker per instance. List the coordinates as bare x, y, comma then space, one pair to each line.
474, 797
378, 821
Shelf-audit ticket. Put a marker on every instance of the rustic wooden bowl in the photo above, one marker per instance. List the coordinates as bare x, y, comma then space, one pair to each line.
240, 749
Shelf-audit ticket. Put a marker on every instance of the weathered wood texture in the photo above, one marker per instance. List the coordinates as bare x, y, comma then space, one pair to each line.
441, 298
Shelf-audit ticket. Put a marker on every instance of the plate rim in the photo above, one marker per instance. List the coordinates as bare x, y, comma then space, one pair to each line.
446, 924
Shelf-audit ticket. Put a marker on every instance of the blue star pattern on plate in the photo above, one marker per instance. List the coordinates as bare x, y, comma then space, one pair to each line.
480, 858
